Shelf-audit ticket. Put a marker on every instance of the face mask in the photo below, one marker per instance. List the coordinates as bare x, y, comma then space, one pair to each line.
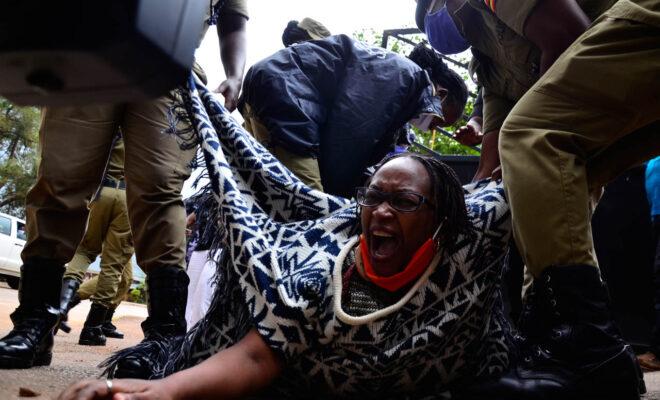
443, 33
425, 121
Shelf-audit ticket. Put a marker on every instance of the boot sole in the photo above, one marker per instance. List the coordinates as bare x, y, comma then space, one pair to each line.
626, 386
19, 363
114, 337
90, 343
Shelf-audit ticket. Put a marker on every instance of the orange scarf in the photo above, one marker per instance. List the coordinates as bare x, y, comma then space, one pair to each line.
417, 265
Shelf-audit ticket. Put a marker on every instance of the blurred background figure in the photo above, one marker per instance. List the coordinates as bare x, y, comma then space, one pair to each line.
108, 233
651, 359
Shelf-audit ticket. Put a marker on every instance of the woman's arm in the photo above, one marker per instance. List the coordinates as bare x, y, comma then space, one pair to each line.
247, 367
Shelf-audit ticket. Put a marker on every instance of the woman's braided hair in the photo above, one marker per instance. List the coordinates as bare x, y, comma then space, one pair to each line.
447, 196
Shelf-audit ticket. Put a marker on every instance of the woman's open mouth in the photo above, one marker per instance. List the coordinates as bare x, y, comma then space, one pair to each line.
383, 245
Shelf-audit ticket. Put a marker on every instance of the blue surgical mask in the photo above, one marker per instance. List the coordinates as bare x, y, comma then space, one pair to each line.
443, 34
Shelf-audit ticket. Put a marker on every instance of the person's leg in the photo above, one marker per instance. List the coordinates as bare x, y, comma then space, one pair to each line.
88, 287
650, 361
157, 163
655, 343
305, 168
565, 123
87, 251
109, 329
117, 250
597, 93
84, 292
75, 143
124, 283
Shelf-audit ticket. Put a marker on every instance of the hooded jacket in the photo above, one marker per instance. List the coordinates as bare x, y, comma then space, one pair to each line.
338, 100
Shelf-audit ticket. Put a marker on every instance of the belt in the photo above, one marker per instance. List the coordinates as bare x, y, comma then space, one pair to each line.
113, 183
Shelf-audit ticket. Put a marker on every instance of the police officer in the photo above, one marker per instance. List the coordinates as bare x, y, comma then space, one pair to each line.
75, 143
109, 234
506, 63
594, 113
329, 139
305, 167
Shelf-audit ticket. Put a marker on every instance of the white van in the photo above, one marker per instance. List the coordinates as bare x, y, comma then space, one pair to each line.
12, 240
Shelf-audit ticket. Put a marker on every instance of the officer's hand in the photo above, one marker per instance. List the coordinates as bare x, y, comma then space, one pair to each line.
122, 389
469, 134
230, 90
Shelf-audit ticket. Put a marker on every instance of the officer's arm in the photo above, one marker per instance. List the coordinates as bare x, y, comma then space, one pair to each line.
552, 26
232, 36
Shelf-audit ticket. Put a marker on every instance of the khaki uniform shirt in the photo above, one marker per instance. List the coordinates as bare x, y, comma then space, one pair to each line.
506, 63
229, 7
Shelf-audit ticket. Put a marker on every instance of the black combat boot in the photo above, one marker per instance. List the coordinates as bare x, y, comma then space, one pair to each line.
68, 297
571, 348
109, 329
167, 292
64, 318
30, 343
92, 331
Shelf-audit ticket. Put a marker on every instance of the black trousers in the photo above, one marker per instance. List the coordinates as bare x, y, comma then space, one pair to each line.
655, 345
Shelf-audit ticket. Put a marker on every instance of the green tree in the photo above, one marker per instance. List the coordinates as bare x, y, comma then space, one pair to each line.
437, 141
19, 127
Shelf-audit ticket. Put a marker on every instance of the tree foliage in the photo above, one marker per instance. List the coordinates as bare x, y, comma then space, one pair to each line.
433, 140
19, 127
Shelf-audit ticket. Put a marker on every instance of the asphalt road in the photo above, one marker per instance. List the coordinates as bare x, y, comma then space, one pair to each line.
72, 362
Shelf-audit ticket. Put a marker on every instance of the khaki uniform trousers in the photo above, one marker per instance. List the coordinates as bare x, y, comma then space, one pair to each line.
108, 234
75, 144
305, 168
88, 288
591, 116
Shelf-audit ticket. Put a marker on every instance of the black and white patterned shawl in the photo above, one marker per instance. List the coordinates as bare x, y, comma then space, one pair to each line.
284, 244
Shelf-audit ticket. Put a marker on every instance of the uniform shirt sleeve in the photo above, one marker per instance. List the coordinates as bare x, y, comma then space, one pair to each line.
513, 13
236, 7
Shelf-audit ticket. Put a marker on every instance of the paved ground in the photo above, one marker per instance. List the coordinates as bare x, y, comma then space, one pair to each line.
72, 362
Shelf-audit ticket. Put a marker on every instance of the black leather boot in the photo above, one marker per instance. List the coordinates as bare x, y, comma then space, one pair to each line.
166, 325
30, 343
92, 331
572, 348
64, 319
109, 329
67, 295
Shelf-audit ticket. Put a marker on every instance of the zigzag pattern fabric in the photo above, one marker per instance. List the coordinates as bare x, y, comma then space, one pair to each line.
283, 243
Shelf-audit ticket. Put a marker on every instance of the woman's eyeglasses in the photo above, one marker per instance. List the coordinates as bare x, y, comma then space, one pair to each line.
400, 201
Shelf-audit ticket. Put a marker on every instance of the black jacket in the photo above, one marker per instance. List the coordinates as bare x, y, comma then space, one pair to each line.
339, 100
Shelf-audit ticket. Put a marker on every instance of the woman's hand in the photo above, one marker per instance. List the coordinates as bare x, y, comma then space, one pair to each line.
122, 389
